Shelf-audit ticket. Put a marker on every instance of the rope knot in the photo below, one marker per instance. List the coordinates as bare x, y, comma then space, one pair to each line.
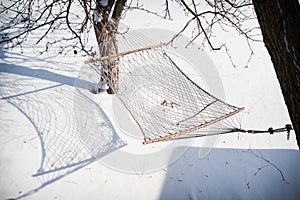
271, 130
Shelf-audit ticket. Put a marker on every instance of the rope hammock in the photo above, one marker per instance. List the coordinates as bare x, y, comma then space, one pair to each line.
165, 103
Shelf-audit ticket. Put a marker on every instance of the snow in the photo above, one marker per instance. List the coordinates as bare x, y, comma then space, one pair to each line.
104, 2
60, 141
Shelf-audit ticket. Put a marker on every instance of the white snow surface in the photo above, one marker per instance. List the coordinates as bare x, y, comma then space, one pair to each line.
60, 141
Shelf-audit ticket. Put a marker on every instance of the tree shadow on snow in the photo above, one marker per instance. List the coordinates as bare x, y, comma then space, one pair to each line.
46, 75
233, 174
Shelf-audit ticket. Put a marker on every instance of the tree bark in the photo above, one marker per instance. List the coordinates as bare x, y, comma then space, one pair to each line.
280, 25
105, 30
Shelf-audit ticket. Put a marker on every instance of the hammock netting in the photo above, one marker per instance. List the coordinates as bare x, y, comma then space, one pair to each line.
164, 102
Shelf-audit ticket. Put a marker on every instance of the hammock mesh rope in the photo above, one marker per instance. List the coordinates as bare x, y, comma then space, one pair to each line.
164, 102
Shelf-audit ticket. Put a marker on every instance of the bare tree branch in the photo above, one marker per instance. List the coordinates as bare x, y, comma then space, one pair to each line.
26, 16
223, 14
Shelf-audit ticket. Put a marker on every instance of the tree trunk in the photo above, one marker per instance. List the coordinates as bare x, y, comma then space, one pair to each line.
106, 29
280, 25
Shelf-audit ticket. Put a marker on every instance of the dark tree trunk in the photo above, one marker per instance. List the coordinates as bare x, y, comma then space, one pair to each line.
105, 30
280, 25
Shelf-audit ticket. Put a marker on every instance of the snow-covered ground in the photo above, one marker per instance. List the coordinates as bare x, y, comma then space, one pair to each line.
60, 141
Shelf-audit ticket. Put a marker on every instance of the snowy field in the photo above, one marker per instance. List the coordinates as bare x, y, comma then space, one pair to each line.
60, 141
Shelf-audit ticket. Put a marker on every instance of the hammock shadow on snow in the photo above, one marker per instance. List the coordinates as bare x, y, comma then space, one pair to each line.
73, 130
227, 173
